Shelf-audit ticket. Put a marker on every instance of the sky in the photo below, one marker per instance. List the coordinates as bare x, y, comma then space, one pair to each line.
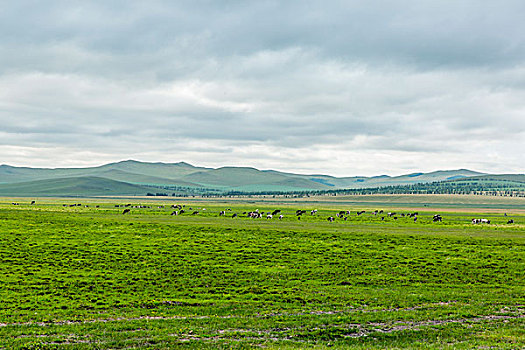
335, 87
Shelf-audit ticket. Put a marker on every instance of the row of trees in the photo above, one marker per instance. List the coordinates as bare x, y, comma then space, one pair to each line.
479, 188
510, 189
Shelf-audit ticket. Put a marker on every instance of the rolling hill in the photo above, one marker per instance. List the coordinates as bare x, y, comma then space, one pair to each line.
133, 177
73, 186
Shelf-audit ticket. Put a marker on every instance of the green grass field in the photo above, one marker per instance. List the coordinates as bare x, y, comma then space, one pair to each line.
87, 277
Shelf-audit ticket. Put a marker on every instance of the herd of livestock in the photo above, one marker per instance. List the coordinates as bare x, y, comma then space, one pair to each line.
342, 214
256, 214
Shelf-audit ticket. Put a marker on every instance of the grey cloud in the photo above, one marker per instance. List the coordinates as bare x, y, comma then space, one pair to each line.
368, 83
425, 33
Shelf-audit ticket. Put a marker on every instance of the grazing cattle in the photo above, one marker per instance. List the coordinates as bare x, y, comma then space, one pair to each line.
97, 206
381, 212
480, 221
269, 216
195, 212
234, 215
415, 218
254, 215
313, 212
181, 211
222, 213
300, 212
175, 213
382, 218
281, 217
510, 221
437, 218
331, 219
391, 214
126, 211
345, 218
360, 212
276, 211
341, 214
33, 202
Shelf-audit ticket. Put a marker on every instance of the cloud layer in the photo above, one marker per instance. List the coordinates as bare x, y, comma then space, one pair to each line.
348, 88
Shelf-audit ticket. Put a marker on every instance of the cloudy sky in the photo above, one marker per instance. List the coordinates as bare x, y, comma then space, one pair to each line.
335, 87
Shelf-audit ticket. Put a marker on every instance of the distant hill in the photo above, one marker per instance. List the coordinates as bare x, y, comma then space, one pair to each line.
517, 178
134, 177
128, 171
510, 185
73, 186
384, 180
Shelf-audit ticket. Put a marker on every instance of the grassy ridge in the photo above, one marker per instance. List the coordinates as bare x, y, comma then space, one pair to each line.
242, 179
75, 186
151, 279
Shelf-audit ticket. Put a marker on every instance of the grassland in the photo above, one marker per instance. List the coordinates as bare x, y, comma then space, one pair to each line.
88, 277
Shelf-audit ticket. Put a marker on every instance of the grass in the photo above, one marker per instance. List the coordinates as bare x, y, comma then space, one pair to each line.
87, 277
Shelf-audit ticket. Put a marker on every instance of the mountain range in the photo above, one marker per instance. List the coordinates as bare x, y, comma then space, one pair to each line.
132, 177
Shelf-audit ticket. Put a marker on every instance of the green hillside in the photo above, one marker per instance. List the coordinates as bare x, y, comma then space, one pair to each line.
242, 178
177, 177
74, 186
496, 184
332, 182
508, 185
9, 174
285, 185
140, 179
163, 170
517, 178
128, 171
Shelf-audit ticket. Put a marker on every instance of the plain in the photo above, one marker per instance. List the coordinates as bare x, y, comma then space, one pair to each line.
78, 273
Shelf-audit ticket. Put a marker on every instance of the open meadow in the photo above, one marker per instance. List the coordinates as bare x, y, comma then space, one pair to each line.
78, 273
